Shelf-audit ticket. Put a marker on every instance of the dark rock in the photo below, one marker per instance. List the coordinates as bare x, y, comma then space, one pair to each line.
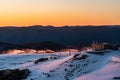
14, 74
116, 78
40, 60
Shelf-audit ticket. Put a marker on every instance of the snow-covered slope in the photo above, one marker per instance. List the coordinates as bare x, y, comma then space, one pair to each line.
77, 66
110, 70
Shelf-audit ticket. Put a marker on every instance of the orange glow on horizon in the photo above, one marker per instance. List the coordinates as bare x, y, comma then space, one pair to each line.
59, 12
56, 20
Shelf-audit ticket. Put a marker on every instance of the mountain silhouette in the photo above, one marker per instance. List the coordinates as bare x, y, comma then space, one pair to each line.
67, 35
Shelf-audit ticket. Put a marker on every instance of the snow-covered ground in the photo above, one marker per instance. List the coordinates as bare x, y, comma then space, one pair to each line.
66, 66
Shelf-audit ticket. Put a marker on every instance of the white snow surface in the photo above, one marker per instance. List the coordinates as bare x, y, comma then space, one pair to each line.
107, 72
66, 66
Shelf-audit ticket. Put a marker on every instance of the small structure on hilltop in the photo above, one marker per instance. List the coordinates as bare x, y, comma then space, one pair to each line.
104, 46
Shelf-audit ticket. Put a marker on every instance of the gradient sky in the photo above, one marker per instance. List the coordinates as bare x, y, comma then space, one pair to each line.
59, 12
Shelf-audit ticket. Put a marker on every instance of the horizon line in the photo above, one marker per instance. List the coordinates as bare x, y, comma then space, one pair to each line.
62, 25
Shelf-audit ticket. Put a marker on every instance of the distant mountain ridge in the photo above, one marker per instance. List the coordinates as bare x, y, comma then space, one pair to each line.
68, 35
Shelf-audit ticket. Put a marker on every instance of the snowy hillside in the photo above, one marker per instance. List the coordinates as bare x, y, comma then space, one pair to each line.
63, 66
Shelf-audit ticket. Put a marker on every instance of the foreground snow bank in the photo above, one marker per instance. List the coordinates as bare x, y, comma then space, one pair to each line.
108, 72
65, 66
116, 58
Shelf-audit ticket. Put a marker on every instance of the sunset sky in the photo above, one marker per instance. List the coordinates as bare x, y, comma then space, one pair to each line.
59, 12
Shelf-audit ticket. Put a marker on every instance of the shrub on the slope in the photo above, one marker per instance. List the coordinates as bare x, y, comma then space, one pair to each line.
40, 60
14, 74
